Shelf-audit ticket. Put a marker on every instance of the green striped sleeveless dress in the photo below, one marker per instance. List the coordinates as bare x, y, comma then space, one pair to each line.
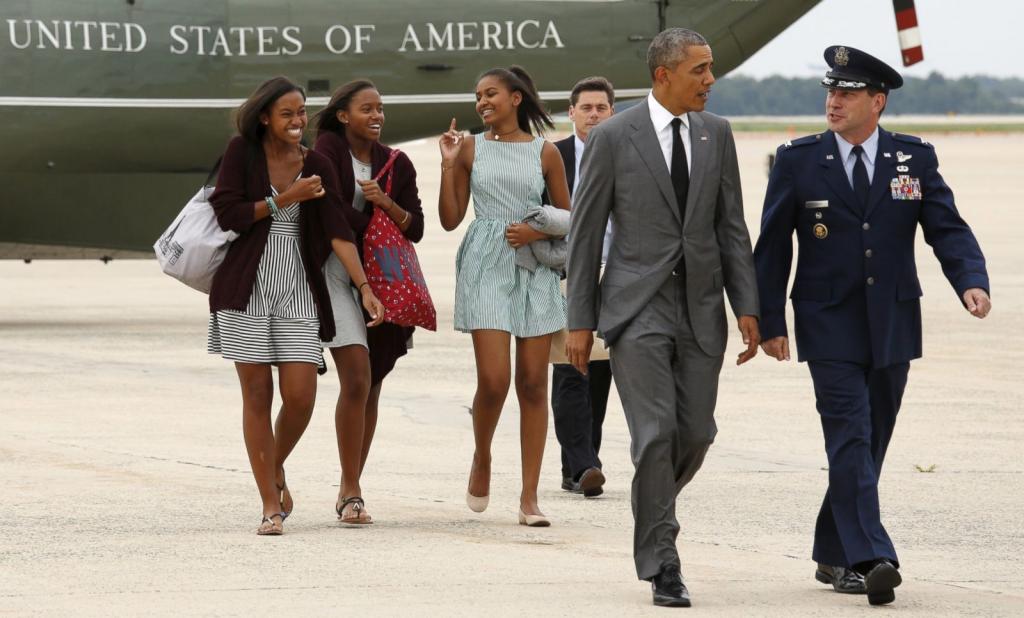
491, 292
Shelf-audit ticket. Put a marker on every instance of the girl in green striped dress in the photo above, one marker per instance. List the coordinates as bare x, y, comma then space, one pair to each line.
506, 169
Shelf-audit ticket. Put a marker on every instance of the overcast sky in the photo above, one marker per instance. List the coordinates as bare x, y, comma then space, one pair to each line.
959, 38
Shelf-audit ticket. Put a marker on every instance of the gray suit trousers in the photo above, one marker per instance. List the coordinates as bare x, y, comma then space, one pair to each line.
668, 387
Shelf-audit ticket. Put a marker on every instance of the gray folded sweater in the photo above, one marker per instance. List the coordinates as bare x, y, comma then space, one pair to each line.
550, 252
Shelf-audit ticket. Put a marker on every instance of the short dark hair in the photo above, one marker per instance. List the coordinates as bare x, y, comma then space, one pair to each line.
531, 111
326, 120
592, 84
247, 118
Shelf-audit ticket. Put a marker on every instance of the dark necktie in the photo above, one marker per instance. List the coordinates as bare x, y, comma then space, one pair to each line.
680, 181
680, 173
861, 184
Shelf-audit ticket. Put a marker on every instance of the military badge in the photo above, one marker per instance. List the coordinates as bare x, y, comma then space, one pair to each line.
820, 231
903, 157
842, 57
902, 168
904, 187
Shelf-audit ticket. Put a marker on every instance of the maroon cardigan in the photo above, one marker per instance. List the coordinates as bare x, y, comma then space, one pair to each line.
243, 181
334, 146
387, 342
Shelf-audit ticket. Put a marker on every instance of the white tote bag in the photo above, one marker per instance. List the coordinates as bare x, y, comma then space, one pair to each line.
194, 245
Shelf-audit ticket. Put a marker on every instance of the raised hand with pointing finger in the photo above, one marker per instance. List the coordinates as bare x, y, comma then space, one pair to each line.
451, 144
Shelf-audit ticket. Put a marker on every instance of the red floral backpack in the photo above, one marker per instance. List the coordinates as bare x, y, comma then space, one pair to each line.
393, 269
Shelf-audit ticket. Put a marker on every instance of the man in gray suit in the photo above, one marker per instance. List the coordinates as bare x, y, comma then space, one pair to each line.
666, 173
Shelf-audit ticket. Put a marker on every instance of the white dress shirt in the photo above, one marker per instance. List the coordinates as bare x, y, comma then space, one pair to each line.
580, 146
662, 120
870, 147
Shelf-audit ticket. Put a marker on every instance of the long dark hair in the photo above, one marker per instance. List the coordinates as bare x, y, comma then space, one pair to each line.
247, 118
531, 112
326, 120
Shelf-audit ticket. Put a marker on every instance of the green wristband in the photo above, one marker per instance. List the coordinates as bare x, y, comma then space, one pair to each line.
272, 205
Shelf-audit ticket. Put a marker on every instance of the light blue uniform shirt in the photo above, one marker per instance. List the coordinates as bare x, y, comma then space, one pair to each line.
870, 147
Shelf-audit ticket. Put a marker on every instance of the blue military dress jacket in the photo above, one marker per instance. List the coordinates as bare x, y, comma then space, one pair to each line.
856, 291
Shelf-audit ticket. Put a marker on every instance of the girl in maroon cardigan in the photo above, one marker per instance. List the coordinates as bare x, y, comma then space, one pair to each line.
269, 302
348, 133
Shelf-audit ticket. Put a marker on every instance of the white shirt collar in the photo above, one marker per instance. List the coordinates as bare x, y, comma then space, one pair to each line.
870, 147
580, 144
661, 117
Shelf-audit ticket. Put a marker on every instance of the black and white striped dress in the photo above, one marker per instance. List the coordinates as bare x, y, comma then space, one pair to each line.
280, 323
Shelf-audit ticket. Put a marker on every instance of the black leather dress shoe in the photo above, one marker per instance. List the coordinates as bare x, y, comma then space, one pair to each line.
569, 485
842, 579
591, 482
669, 590
880, 581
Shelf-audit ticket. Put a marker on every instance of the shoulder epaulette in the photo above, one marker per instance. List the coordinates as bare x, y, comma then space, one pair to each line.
803, 141
911, 139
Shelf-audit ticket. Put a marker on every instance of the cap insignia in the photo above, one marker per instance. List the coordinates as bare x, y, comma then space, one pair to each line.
842, 56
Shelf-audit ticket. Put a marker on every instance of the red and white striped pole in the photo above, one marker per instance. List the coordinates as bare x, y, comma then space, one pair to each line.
909, 33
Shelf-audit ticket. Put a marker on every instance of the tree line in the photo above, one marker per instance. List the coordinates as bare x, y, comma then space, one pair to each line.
935, 94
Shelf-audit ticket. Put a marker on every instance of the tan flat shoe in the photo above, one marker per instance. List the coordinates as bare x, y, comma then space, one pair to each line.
477, 504
533, 521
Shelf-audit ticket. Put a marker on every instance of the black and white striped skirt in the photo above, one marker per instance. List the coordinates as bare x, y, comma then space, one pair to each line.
280, 323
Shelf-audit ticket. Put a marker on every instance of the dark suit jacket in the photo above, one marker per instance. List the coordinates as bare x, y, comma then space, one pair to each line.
856, 292
624, 177
567, 148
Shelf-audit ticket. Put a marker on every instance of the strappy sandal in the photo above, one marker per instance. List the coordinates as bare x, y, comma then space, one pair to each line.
282, 489
360, 518
269, 527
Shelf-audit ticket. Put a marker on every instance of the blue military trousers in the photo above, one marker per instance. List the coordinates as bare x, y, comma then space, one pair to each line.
858, 405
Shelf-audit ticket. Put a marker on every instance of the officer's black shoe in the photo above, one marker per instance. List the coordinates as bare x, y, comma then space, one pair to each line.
846, 581
669, 590
881, 578
569, 485
591, 482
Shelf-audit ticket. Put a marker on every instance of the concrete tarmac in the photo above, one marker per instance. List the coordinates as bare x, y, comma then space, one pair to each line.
126, 487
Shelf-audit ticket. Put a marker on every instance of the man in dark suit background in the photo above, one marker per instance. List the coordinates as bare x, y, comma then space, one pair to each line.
579, 401
855, 195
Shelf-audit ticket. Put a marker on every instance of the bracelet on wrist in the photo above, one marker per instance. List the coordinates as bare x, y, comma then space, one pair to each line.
445, 168
272, 205
360, 288
405, 218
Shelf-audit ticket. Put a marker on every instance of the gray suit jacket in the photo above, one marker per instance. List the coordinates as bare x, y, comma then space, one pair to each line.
624, 176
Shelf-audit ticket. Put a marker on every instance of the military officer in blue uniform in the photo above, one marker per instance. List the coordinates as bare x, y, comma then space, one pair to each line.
855, 196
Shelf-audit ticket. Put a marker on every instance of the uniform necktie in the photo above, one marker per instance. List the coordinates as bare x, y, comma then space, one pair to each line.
861, 184
680, 172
